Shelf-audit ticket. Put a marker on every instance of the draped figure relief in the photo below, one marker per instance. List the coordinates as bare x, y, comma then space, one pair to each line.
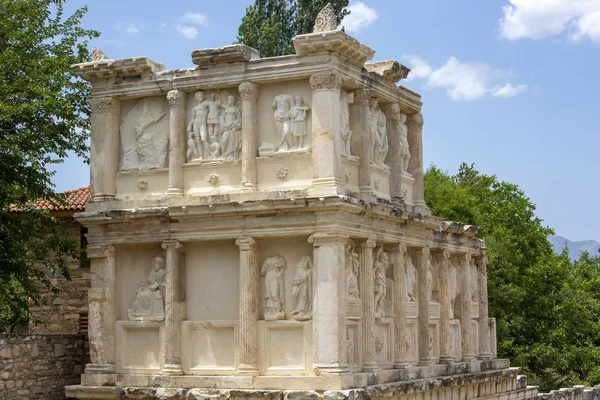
302, 290
148, 304
273, 269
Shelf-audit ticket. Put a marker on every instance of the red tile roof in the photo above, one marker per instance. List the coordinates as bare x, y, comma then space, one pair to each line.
75, 201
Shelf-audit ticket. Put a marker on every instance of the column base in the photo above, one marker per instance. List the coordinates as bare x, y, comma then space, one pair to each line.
332, 369
247, 369
401, 365
248, 187
100, 369
422, 208
172, 369
98, 197
370, 367
425, 362
486, 356
467, 358
446, 360
174, 191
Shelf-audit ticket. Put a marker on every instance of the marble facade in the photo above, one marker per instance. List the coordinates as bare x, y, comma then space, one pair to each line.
259, 226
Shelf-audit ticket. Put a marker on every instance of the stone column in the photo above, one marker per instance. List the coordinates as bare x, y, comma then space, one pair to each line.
247, 345
423, 318
445, 339
174, 308
393, 159
177, 110
465, 311
329, 303
249, 94
102, 309
484, 331
400, 254
367, 291
414, 123
326, 131
361, 141
104, 147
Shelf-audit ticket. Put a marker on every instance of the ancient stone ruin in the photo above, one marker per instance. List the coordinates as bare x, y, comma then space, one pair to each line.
257, 229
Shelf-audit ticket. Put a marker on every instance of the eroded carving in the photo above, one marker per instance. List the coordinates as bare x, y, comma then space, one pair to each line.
378, 133
352, 267
290, 116
379, 342
404, 150
345, 124
411, 279
380, 267
273, 270
453, 288
326, 20
302, 290
148, 304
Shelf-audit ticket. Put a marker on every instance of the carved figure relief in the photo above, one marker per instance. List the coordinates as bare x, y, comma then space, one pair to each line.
345, 124
404, 149
352, 267
302, 290
378, 134
145, 135
453, 287
350, 346
411, 279
474, 284
429, 278
379, 342
289, 115
380, 267
148, 304
214, 131
273, 269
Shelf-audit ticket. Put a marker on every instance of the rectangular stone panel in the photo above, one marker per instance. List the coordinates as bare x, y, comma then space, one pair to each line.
285, 348
209, 347
138, 347
412, 341
455, 340
384, 342
353, 345
380, 182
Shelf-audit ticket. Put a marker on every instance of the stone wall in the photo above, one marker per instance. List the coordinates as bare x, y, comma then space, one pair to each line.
40, 366
574, 393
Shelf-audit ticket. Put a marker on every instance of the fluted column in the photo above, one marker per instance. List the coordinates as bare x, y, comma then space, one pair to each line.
484, 330
249, 94
102, 309
174, 308
400, 254
247, 345
326, 132
177, 109
445, 339
414, 123
465, 311
367, 290
423, 318
329, 303
393, 159
361, 140
105, 119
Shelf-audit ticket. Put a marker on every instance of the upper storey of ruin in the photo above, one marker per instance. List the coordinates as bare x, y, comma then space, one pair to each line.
322, 122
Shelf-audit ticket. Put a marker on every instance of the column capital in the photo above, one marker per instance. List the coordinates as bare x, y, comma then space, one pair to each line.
321, 238
415, 120
176, 98
248, 90
392, 111
401, 248
446, 255
100, 251
362, 96
105, 104
171, 244
326, 81
245, 243
368, 243
482, 262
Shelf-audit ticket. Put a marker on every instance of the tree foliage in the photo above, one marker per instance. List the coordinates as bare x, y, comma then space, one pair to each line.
43, 116
547, 307
270, 25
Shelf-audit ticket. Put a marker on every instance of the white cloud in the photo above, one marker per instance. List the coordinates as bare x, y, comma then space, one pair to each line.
128, 27
508, 90
539, 19
360, 17
132, 29
188, 32
463, 81
163, 26
194, 19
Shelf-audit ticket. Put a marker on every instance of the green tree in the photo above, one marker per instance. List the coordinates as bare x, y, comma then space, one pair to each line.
270, 25
547, 307
43, 116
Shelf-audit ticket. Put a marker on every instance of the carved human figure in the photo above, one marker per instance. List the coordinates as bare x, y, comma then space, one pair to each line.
378, 132
273, 269
214, 114
298, 115
148, 304
380, 267
352, 266
282, 106
350, 346
429, 281
473, 284
231, 129
302, 290
197, 128
411, 279
453, 288
404, 150
345, 124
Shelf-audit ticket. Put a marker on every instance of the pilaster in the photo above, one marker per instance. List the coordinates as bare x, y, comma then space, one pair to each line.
484, 330
247, 344
177, 111
102, 309
400, 253
414, 123
465, 312
394, 159
249, 94
361, 141
367, 290
174, 308
423, 318
105, 119
326, 132
329, 313
445, 356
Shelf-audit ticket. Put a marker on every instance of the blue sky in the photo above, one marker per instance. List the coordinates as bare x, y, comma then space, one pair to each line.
509, 85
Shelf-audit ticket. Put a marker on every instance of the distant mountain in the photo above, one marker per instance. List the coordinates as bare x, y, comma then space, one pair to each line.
575, 248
